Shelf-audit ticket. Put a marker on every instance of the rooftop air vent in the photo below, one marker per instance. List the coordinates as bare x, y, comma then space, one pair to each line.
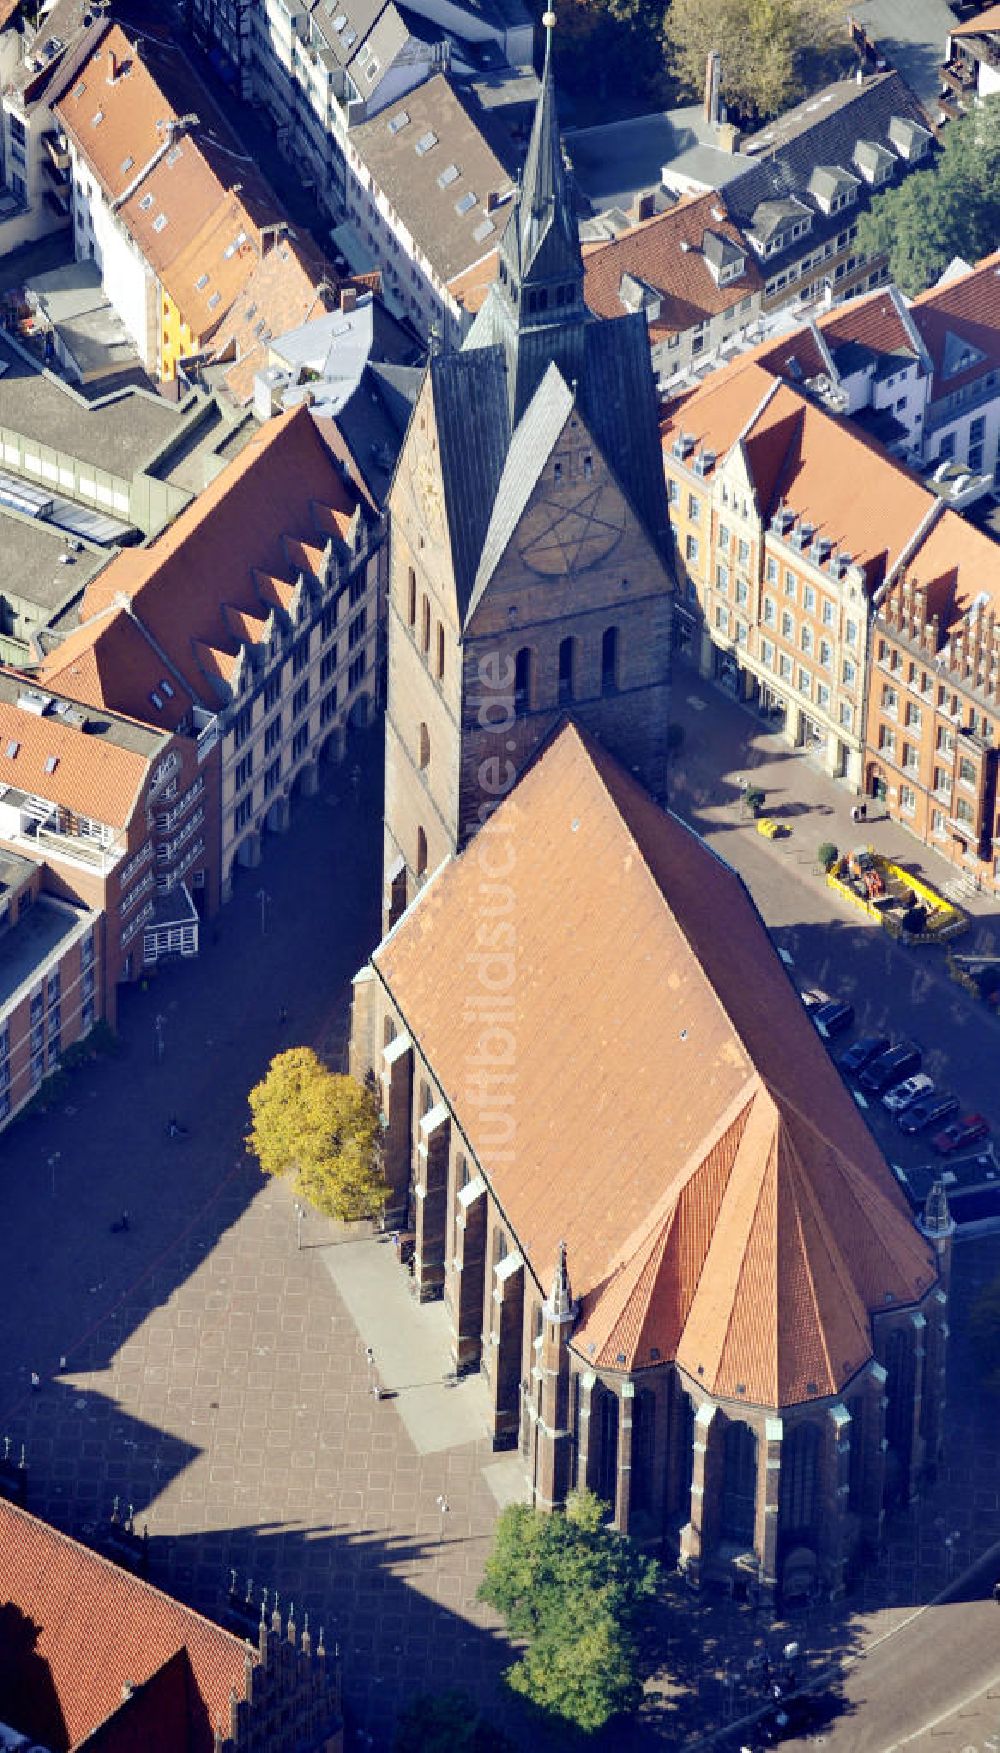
32, 700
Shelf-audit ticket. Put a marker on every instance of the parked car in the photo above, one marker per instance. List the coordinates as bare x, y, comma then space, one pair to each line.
931, 1109
890, 1068
961, 1133
861, 1053
902, 1095
833, 1018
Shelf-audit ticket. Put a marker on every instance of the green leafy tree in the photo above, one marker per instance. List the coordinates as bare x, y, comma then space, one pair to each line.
323, 1130
950, 209
447, 1722
612, 46
827, 854
768, 47
577, 1592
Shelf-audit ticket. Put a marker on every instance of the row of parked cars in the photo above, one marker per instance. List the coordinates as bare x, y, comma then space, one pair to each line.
890, 1071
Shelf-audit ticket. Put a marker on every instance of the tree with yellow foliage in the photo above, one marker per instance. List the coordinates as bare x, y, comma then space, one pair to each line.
321, 1129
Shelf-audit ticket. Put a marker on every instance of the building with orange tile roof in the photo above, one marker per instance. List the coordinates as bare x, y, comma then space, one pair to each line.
111, 814
689, 270
164, 199
786, 522
250, 627
933, 722
95, 1657
663, 1231
971, 67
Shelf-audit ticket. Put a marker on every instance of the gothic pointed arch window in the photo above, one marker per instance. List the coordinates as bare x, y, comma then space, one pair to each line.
604, 1414
524, 666
411, 597
440, 651
739, 1483
799, 1484
421, 866
567, 670
643, 1449
609, 661
423, 746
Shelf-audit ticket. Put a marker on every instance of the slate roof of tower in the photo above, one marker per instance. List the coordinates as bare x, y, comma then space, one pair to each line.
677, 1120
473, 431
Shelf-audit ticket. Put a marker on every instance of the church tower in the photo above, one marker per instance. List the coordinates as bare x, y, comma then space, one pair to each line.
530, 573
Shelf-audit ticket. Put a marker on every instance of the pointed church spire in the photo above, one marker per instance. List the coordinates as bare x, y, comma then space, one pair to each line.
541, 244
936, 1221
559, 1306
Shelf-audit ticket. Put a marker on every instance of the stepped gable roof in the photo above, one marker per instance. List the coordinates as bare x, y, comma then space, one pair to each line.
182, 584
110, 662
76, 1628
959, 567
670, 253
960, 321
85, 771
678, 1121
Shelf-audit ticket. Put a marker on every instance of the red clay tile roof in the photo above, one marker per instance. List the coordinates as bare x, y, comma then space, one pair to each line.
678, 1121
872, 321
109, 662
175, 193
967, 308
666, 253
986, 21
822, 468
92, 775
959, 566
86, 1628
227, 549
290, 286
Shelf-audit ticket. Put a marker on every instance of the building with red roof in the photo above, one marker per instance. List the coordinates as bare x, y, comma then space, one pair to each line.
94, 1657
660, 1226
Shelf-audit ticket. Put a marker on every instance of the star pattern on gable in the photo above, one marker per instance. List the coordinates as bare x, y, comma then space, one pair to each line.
559, 538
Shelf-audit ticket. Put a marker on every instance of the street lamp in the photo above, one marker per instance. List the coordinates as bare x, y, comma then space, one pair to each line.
444, 1508
299, 1215
263, 897
370, 1361
53, 1159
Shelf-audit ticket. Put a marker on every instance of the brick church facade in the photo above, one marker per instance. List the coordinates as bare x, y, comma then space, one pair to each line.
664, 1236
530, 564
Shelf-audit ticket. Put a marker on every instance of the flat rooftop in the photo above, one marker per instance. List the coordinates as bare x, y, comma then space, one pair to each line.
15, 871
37, 567
125, 733
121, 437
619, 160
37, 935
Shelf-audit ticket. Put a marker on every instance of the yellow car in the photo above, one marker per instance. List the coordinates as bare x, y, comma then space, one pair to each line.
770, 829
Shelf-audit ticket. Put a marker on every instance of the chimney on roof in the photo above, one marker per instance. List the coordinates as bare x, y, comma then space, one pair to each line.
713, 75
348, 299
644, 206
113, 67
128, 1688
728, 137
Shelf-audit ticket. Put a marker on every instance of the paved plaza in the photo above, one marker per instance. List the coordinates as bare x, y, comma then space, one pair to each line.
208, 1371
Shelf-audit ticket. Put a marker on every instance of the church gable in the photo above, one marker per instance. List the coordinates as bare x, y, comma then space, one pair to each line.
560, 517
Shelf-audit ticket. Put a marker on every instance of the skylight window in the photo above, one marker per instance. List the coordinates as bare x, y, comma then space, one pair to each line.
173, 155
350, 38
483, 230
51, 763
157, 702
146, 203
340, 22
160, 222
448, 176
213, 301
165, 688
98, 117
127, 163
425, 143
80, 89
12, 748
399, 122
201, 283
465, 203
372, 72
